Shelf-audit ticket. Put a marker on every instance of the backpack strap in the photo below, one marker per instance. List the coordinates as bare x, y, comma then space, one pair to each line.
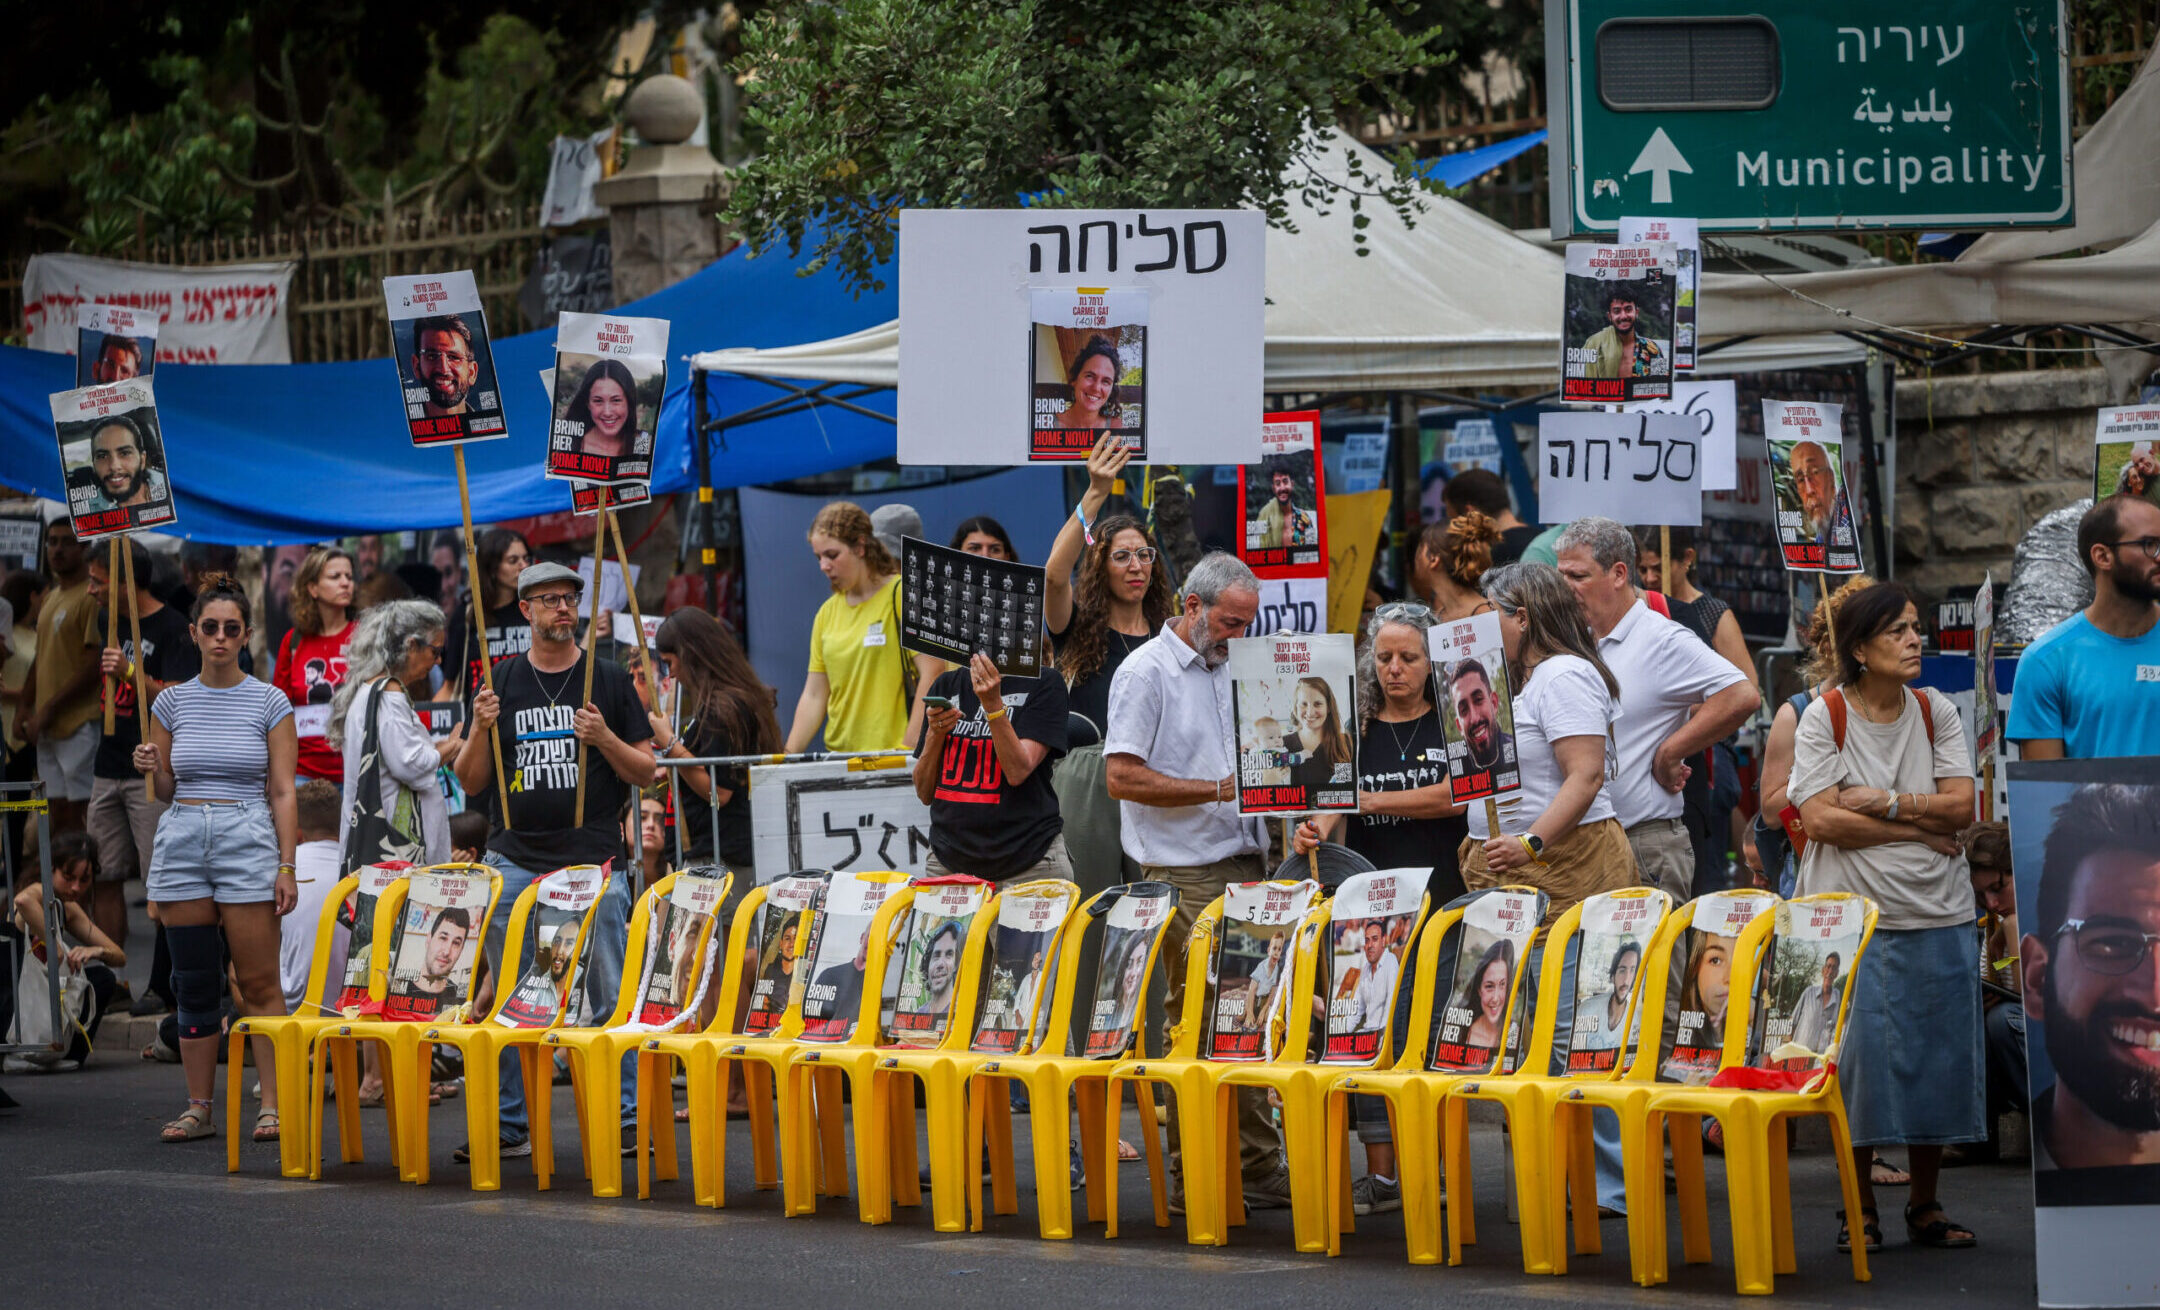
1656, 601
1927, 714
1834, 702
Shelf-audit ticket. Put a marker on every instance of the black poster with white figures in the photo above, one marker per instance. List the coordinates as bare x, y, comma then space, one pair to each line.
953, 605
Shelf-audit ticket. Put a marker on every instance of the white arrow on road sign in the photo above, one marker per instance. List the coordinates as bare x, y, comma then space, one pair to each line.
1660, 158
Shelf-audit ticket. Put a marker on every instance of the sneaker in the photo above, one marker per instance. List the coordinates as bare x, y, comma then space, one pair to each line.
150, 1005
510, 1149
1369, 1195
1271, 1192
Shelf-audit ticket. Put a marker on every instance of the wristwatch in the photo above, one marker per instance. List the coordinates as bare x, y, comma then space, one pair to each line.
1535, 845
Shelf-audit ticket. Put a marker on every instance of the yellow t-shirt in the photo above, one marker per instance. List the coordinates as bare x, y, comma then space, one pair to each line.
857, 648
67, 627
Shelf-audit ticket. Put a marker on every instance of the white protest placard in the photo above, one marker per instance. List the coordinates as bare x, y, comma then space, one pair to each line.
614, 593
829, 816
445, 364
1714, 405
1290, 605
968, 293
227, 314
1637, 468
585, 496
610, 375
112, 458
2126, 451
1616, 322
1686, 237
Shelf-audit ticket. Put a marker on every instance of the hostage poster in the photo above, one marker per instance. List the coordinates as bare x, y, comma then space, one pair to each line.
954, 605
438, 942
1477, 708
610, 376
1704, 957
114, 343
1023, 958
677, 958
1807, 476
1806, 967
1088, 364
1293, 699
779, 943
1491, 946
1372, 919
1617, 323
112, 459
839, 950
1686, 237
446, 368
358, 918
1130, 933
1612, 934
1255, 954
561, 911
2125, 441
1282, 500
929, 956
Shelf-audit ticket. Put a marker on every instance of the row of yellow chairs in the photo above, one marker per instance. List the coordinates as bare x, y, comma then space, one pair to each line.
795, 1067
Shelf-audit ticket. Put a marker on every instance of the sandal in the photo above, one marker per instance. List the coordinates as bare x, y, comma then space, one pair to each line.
1126, 1151
1870, 1230
367, 1100
266, 1125
1941, 1233
1882, 1173
194, 1122
446, 1091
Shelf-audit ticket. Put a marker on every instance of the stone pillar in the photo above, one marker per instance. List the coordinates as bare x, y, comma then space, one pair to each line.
661, 205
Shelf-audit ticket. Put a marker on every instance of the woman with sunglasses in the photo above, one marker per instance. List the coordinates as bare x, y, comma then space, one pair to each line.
394, 648
1883, 799
222, 748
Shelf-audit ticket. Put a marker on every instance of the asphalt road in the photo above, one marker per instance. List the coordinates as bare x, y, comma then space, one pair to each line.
97, 1211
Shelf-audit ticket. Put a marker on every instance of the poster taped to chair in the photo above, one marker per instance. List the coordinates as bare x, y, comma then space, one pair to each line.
1492, 944
828, 815
1256, 951
678, 961
1023, 959
445, 366
1613, 932
1296, 739
1477, 707
839, 948
1134, 925
931, 950
439, 933
1805, 971
1705, 984
780, 942
1373, 917
358, 918
554, 930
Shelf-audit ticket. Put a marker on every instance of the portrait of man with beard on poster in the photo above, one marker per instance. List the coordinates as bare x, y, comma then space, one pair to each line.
127, 464
444, 362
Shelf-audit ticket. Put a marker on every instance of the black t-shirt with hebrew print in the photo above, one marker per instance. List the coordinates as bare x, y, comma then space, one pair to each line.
540, 751
980, 823
1404, 757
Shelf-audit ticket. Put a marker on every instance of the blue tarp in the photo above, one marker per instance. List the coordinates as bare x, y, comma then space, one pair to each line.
1465, 166
273, 453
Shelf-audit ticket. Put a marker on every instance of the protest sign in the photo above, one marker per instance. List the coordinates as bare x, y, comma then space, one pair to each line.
954, 605
610, 375
2126, 451
1696, 1037
585, 496
614, 587
1806, 967
1686, 237
830, 816
1023, 960
1371, 920
1807, 476
1282, 500
1638, 468
1293, 700
358, 919
112, 458
440, 717
114, 343
677, 964
22, 538
1616, 322
223, 314
446, 367
1131, 932
1713, 404
780, 938
2082, 854
554, 931
1355, 523
1477, 707
1176, 296
1256, 949
932, 945
1611, 936
839, 949
439, 933
1492, 943
1986, 727
1290, 605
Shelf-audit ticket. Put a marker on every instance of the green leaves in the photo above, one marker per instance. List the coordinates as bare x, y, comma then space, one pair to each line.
869, 106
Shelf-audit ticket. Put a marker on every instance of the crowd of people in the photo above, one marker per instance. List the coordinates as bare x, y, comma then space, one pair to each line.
1117, 765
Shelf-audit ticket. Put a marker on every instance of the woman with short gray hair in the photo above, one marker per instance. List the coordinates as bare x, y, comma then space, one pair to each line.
373, 722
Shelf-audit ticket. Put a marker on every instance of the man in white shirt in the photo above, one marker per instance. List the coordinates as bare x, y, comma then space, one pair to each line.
1375, 993
1677, 697
1169, 763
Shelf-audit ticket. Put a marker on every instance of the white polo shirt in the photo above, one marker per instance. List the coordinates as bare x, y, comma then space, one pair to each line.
1664, 671
1169, 709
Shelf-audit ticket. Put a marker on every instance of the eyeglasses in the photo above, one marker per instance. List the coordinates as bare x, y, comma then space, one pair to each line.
1144, 554
437, 649
230, 628
1396, 610
2109, 948
555, 600
2150, 545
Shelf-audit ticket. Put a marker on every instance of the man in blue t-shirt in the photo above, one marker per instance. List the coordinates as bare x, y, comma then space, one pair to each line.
2090, 687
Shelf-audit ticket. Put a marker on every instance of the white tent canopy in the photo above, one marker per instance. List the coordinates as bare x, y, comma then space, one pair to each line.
1453, 303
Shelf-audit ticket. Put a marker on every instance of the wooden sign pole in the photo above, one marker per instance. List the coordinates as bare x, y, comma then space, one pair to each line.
1664, 554
479, 618
112, 626
592, 634
142, 702
622, 556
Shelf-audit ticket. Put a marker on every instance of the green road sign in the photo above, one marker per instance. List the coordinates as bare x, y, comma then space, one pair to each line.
1821, 115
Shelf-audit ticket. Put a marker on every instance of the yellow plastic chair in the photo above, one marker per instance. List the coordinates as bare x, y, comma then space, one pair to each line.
292, 1036
770, 919
1439, 1057
1011, 1018
1704, 935
885, 1162
389, 1014
666, 969
1135, 916
1300, 1083
1594, 933
561, 908
1201, 1055
1756, 1176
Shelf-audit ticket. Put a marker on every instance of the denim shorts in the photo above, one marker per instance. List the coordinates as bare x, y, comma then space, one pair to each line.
227, 853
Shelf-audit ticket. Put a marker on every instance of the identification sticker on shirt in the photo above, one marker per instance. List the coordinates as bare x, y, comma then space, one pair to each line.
2148, 673
311, 720
874, 635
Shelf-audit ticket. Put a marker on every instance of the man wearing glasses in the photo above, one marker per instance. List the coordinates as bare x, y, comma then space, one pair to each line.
2092, 980
2090, 687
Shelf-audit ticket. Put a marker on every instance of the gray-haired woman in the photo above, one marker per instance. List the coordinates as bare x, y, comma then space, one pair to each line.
394, 646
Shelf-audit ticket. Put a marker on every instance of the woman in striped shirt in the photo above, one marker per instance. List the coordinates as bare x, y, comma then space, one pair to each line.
221, 748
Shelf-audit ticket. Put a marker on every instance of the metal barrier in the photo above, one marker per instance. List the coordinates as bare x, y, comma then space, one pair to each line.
713, 763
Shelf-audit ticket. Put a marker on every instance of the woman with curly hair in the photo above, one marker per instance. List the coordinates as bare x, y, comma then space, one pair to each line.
1452, 559
1093, 375
311, 659
858, 684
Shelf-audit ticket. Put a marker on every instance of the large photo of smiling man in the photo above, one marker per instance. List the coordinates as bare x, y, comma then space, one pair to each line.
112, 458
446, 372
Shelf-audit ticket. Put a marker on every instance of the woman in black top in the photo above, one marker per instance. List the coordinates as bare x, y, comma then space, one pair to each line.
1120, 598
503, 555
725, 710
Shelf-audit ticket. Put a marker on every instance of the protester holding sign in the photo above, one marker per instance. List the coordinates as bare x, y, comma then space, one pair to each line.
857, 690
2082, 688
984, 768
1883, 781
311, 660
1562, 837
